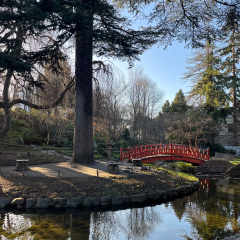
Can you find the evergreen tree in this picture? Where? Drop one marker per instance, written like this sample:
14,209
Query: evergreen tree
166,108
27,46
230,66
96,27
203,73
179,103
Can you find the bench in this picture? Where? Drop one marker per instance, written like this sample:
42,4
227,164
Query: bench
113,167
22,164
137,162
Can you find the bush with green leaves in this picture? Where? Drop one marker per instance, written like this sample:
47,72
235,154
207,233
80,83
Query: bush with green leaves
216,148
231,151
182,166
102,151
60,145
221,149
33,140
186,167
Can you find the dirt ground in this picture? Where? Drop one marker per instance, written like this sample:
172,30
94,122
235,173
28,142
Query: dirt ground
65,179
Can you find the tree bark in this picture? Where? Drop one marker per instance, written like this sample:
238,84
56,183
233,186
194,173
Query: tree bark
235,125
83,132
7,113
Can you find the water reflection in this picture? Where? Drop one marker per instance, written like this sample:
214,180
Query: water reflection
211,213
136,223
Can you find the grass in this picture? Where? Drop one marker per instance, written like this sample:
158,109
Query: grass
175,173
55,148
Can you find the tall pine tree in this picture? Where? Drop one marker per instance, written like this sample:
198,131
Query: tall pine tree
179,103
96,27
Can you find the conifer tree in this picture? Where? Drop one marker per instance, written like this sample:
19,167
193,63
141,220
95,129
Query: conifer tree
27,46
203,73
166,108
230,66
179,103
96,27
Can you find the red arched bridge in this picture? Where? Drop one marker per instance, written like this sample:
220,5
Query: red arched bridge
165,152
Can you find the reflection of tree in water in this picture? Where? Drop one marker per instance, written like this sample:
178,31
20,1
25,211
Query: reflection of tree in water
211,212
44,226
179,206
135,223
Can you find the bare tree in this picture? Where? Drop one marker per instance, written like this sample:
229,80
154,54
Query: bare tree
109,94
194,127
144,99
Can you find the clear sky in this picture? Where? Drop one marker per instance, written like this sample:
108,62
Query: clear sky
165,67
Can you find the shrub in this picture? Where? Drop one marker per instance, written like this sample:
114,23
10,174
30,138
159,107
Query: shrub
101,145
52,142
33,140
102,151
172,165
124,144
60,145
186,167
118,145
64,141
231,151
216,148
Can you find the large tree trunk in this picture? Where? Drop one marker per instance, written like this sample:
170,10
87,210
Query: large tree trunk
83,132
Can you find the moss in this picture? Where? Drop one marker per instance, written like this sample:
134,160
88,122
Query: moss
44,225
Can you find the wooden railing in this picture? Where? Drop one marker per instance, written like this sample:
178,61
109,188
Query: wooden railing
163,149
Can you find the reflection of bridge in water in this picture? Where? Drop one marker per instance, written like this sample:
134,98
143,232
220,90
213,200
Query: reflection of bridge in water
204,184
165,152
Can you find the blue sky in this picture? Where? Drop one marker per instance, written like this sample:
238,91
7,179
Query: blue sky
164,67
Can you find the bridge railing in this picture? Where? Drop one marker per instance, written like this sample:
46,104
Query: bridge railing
168,149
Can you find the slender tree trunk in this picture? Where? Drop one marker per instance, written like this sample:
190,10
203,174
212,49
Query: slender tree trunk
7,82
235,125
7,116
83,132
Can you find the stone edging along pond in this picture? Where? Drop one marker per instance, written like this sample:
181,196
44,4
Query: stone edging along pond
158,197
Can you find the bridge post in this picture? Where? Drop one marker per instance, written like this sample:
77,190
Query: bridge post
171,152
208,154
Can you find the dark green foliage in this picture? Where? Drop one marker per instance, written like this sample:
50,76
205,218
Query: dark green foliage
126,135
231,151
124,144
60,145
166,108
33,140
219,114
102,151
52,142
216,148
179,103
102,145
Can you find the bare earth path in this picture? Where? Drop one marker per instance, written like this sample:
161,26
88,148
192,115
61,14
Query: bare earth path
67,169
77,180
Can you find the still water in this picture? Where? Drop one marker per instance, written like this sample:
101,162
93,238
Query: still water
211,213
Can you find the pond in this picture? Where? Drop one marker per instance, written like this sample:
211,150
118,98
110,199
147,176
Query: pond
211,213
